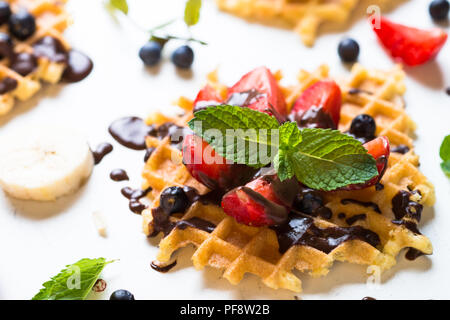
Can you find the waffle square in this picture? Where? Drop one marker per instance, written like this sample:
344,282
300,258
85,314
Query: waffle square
51,20
240,249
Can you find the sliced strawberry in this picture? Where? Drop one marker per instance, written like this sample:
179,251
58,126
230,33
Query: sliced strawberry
207,96
319,106
410,45
380,149
264,201
259,90
210,168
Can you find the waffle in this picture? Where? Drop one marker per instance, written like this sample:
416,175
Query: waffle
241,249
305,16
51,20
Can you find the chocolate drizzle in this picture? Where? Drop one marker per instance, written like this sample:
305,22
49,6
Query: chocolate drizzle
101,151
372,205
412,254
314,117
403,207
245,98
164,269
7,84
301,230
402,149
350,221
78,65
119,175
130,132
134,195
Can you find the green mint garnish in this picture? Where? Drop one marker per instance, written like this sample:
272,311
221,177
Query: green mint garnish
321,159
445,155
73,283
120,5
192,12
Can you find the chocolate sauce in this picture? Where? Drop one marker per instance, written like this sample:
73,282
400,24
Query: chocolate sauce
50,48
134,195
23,63
175,132
163,269
314,117
7,84
300,230
79,66
358,91
403,207
400,149
6,46
245,98
130,132
101,151
350,221
413,254
342,216
408,224
448,91
372,205
197,223
119,175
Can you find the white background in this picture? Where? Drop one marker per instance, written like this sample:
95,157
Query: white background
38,239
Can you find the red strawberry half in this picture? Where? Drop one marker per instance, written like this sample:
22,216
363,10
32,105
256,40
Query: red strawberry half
264,201
319,106
207,96
410,45
380,149
259,91
211,169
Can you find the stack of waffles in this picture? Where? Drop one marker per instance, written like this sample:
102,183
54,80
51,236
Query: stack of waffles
305,16
51,20
241,249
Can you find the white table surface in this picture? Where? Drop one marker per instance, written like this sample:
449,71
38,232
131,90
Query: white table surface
38,239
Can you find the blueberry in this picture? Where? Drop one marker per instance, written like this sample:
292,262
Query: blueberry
22,24
348,50
121,295
439,9
183,57
363,126
150,53
6,46
5,12
174,200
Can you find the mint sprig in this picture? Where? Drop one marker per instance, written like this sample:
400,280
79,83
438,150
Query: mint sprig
321,159
444,153
192,12
74,282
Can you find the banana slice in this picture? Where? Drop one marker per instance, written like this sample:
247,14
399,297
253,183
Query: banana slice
44,163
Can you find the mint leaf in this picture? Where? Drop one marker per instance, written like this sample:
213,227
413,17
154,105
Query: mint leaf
322,159
120,5
192,12
445,155
73,283
239,134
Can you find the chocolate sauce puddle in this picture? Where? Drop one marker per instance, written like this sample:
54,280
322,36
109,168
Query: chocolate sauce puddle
314,117
130,132
300,230
7,84
402,149
372,205
163,269
134,195
101,151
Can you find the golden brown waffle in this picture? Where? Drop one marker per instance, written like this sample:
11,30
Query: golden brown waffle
51,20
304,16
240,249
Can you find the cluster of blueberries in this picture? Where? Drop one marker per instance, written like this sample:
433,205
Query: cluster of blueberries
348,48
150,54
21,23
